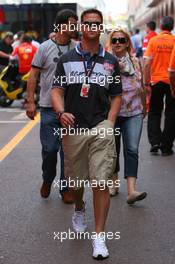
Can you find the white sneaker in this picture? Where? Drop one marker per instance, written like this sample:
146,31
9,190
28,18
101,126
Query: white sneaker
78,221
100,250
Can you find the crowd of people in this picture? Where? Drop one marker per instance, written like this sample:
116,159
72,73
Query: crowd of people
138,74
20,47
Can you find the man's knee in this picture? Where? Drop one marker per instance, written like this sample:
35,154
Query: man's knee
49,156
132,149
51,148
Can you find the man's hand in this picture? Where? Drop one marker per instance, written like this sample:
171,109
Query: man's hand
67,119
144,111
31,110
31,87
173,93
115,108
112,122
147,70
145,92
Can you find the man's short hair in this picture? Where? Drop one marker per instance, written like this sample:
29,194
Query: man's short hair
151,25
167,23
63,16
20,33
90,11
27,38
137,31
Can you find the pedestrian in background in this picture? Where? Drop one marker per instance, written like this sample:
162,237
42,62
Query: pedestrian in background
130,117
5,49
18,38
137,43
150,29
24,53
156,63
44,64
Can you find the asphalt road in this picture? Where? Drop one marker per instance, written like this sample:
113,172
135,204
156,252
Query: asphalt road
28,222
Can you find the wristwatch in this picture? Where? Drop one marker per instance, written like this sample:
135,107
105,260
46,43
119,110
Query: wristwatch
26,101
59,114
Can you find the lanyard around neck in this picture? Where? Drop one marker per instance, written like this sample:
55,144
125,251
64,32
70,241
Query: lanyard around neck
58,47
88,72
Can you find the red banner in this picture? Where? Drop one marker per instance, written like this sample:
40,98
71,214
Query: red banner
2,16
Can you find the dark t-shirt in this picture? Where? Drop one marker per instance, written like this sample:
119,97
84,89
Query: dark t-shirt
91,110
7,49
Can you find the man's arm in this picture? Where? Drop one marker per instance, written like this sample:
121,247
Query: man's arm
115,93
4,55
31,88
14,55
171,72
147,62
172,82
115,108
143,91
57,97
147,71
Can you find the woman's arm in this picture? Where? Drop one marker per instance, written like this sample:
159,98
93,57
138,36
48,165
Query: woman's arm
143,88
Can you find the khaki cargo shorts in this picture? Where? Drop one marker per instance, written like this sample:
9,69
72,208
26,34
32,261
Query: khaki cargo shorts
90,156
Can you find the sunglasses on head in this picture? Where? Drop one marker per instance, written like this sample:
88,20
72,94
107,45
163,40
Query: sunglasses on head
119,40
92,23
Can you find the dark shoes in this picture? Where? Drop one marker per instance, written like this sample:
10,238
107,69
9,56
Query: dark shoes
167,153
154,149
67,197
45,190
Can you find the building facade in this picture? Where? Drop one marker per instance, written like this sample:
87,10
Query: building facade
142,11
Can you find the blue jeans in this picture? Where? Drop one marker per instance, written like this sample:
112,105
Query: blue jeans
130,129
51,145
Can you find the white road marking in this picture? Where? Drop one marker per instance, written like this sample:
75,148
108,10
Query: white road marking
17,119
12,110
20,116
14,122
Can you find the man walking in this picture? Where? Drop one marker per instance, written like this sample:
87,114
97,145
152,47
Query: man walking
137,43
44,63
157,58
151,27
87,104
24,53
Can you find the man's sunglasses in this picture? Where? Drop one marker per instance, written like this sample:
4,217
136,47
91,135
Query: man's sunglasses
92,24
119,40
